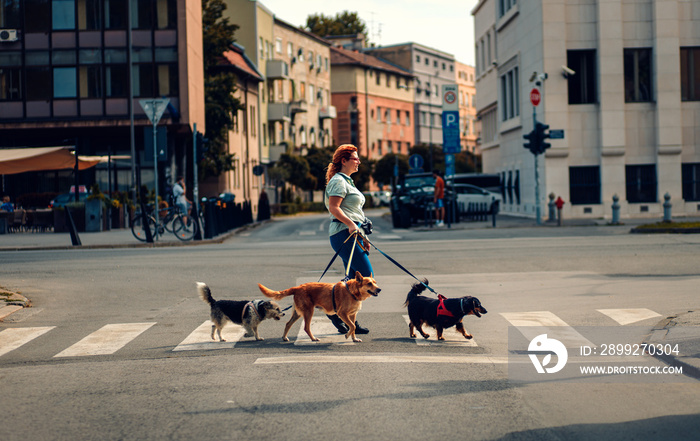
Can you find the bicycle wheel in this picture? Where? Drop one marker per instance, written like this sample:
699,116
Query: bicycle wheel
137,228
184,230
167,220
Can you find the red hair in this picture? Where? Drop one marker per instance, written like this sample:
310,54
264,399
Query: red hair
344,152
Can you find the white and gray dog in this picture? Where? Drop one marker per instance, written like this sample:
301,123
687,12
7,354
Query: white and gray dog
246,313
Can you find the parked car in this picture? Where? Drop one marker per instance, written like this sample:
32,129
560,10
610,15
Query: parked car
64,198
413,195
381,198
471,194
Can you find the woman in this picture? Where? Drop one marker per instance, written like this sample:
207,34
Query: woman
344,202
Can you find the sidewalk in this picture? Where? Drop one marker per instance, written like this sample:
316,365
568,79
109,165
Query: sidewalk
682,330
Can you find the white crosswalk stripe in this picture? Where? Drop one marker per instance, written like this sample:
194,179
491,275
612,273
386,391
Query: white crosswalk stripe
324,330
107,340
627,316
200,338
452,337
13,338
532,324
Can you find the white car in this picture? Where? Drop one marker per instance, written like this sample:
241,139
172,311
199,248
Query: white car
381,198
467,193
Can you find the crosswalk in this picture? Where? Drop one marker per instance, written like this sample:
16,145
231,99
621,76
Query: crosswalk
111,338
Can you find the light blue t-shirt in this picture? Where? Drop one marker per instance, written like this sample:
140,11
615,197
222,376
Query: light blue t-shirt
353,200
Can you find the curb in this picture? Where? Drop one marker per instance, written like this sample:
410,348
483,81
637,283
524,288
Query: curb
689,370
14,302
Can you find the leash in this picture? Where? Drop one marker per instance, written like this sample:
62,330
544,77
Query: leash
336,255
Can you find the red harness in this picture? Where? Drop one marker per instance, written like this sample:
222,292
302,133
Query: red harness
441,310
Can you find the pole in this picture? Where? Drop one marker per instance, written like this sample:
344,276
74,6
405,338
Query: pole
135,179
194,166
155,167
538,214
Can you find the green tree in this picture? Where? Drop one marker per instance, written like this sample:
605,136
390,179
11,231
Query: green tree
344,23
383,172
296,170
219,88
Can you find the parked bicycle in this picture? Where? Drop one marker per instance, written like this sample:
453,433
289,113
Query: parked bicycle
170,219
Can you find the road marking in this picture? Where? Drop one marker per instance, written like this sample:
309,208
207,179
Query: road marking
200,338
465,359
627,316
389,237
307,233
546,322
13,338
107,340
452,337
324,330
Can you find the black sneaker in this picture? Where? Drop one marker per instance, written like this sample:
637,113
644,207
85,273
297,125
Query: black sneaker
339,324
360,330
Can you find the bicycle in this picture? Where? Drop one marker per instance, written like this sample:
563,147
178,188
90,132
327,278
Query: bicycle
170,219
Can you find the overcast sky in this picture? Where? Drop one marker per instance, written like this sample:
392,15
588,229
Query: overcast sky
446,25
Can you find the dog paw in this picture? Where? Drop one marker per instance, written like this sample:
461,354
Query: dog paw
441,338
468,336
426,336
248,335
412,335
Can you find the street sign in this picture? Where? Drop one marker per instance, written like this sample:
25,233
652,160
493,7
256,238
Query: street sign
154,108
450,132
449,97
556,134
535,97
415,161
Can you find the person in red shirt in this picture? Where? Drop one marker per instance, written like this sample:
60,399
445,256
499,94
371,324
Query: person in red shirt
439,199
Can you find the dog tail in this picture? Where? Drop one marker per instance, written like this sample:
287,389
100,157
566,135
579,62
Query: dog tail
275,295
205,293
415,291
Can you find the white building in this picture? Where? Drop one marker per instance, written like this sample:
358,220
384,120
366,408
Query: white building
622,82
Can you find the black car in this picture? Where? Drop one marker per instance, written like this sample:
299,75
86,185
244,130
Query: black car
411,199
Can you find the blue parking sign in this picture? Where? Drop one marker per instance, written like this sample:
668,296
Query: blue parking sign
450,132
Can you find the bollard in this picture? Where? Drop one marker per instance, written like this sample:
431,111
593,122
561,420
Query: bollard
552,208
667,207
559,204
615,210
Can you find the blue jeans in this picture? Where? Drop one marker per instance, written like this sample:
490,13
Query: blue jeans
360,259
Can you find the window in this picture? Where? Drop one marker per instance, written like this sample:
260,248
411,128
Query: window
141,15
387,115
641,183
278,45
41,15
584,185
638,75
398,117
312,94
90,82
10,86
505,6
690,73
408,118
379,114
582,85
427,62
510,94
690,176
89,16
417,58
63,14
379,78
9,15
38,83
166,14
115,14
290,50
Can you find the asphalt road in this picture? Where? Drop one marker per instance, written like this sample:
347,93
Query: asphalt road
116,345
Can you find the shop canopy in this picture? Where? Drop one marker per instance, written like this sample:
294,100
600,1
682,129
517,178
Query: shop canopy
13,161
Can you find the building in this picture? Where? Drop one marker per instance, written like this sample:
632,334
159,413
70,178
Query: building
432,69
469,126
244,181
65,80
617,77
374,102
294,99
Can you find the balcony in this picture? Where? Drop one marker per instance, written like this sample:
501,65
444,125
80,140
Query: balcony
277,69
278,112
328,112
298,107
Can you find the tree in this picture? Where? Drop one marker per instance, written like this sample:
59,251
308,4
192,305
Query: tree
384,168
296,169
344,23
219,87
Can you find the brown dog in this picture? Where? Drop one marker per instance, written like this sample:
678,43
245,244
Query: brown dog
342,298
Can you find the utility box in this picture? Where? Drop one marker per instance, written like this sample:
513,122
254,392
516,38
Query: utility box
93,215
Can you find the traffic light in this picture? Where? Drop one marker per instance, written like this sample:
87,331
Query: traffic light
202,146
541,134
531,142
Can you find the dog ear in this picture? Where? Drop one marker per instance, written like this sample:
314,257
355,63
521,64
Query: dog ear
358,276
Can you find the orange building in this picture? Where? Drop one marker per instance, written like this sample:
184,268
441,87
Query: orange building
467,107
374,103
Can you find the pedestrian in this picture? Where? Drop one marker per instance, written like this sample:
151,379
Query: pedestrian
344,203
439,199
6,205
179,193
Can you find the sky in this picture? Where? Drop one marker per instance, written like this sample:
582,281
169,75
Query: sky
446,25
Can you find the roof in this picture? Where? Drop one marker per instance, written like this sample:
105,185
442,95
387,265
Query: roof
237,58
341,56
302,31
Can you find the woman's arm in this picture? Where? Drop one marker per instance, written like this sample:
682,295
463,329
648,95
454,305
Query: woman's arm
337,212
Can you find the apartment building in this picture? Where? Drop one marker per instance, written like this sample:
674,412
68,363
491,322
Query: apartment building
469,126
374,101
620,78
432,69
65,79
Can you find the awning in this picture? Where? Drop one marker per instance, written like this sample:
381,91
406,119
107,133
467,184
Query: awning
13,161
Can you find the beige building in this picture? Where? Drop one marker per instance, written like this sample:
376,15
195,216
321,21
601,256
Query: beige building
467,107
617,77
